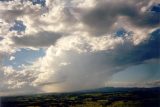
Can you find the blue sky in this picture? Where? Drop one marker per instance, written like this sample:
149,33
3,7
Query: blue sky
24,56
138,73
68,45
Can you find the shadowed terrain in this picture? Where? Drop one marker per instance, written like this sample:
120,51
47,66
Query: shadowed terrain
102,97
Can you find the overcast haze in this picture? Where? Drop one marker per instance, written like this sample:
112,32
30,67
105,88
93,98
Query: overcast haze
69,45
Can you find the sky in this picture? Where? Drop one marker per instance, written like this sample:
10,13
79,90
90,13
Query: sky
70,45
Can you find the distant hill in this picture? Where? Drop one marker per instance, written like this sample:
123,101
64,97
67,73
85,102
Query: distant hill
120,89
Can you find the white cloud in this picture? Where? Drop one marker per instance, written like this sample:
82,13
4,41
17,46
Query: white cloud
12,58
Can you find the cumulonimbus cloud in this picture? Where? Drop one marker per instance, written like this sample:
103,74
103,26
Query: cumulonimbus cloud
92,69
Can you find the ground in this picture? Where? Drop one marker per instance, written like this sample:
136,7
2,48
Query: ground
130,98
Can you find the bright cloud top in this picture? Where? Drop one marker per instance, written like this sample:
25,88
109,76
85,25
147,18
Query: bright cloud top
85,42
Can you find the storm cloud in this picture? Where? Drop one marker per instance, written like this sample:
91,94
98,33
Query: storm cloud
104,16
92,69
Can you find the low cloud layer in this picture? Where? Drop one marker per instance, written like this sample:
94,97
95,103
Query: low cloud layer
83,44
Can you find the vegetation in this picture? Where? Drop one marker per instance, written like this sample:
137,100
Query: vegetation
136,98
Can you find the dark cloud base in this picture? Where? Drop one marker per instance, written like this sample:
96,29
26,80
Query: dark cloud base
101,18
